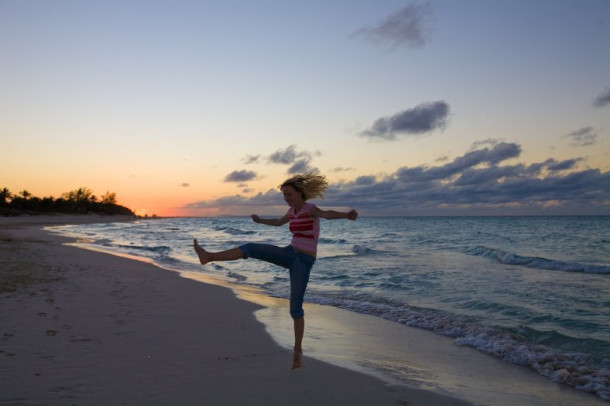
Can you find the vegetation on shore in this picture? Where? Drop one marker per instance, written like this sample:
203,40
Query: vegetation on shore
78,201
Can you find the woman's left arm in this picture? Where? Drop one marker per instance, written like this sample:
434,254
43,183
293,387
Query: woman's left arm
333,215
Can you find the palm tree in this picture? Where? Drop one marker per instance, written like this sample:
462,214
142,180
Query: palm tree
109,198
5,194
25,194
81,194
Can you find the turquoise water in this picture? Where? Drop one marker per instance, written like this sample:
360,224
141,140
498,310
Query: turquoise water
533,291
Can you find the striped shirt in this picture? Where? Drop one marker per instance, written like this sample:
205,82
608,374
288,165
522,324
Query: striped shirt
304,228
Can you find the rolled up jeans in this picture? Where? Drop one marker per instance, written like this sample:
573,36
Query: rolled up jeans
298,263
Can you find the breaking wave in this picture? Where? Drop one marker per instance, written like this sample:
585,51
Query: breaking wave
562,366
509,258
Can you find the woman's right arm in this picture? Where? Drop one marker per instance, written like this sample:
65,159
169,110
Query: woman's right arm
271,222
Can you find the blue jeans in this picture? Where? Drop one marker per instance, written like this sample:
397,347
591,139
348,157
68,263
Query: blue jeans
298,263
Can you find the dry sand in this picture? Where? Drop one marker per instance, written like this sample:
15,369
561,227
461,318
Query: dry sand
87,328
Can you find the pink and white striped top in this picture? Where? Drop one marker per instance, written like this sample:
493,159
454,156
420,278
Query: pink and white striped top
304,228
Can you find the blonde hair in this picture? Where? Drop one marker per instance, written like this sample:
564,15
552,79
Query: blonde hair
309,185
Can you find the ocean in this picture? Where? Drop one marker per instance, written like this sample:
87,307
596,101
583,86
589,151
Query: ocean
532,291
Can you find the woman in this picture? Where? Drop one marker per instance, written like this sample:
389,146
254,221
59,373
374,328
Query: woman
300,255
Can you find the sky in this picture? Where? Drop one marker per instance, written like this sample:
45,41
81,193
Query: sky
202,108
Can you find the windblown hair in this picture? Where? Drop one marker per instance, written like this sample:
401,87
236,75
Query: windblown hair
309,185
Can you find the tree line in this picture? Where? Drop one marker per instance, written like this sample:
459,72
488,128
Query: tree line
77,201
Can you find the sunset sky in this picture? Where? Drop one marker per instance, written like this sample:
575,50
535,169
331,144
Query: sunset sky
409,108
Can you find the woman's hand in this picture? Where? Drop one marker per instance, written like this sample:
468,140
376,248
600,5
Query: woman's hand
352,214
255,218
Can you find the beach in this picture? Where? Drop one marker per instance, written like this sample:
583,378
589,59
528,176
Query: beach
82,327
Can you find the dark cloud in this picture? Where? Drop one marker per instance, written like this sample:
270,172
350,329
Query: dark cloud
185,184
250,159
364,180
287,156
420,119
494,190
563,165
500,152
583,137
489,142
241,176
341,169
465,187
299,161
271,198
551,165
603,99
490,156
486,176
302,166
480,182
405,27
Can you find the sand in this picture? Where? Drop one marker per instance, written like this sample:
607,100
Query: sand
86,328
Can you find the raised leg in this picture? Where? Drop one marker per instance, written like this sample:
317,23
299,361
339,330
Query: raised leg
206,256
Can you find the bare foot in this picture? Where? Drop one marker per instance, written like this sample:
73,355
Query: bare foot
297,359
203,255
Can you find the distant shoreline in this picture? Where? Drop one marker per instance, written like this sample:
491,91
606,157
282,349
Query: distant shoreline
44,219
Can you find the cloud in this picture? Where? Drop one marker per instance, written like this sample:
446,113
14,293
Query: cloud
341,169
486,181
482,143
583,137
489,156
420,119
241,176
185,184
237,204
364,180
405,27
500,152
463,186
250,159
286,156
299,161
302,166
563,165
551,165
603,99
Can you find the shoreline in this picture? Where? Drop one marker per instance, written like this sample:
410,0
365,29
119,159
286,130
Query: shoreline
94,328
407,356
434,364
